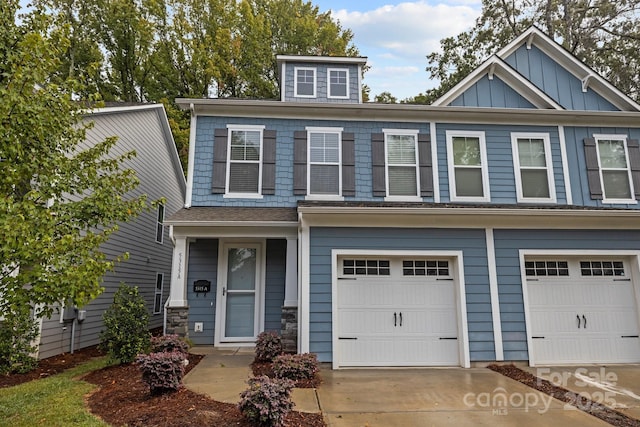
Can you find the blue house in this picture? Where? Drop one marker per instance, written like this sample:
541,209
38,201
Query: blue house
499,223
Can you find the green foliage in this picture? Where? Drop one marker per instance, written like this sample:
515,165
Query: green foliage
267,401
162,371
296,367
126,322
603,34
268,346
17,333
59,201
385,98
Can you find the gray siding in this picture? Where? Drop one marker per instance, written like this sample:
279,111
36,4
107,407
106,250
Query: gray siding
160,176
203,265
555,81
491,93
471,242
322,86
507,245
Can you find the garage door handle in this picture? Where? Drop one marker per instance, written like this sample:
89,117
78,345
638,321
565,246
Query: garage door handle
630,336
448,338
585,321
578,316
395,319
400,318
347,338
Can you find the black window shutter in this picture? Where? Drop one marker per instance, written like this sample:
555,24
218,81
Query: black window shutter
269,162
593,170
300,162
219,180
426,166
348,164
377,165
634,161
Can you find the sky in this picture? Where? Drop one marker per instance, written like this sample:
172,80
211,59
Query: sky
396,37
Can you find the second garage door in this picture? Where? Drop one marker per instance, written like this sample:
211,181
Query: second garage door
582,311
396,312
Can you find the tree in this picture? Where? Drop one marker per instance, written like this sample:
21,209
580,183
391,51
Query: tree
603,34
58,201
385,98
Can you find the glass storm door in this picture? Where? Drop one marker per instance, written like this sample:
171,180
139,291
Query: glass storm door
240,293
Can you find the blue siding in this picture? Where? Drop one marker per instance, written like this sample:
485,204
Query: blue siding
203,165
555,81
507,245
203,265
322,87
574,137
471,242
491,93
500,159
274,283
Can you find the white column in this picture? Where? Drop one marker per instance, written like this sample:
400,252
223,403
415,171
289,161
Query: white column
291,274
178,293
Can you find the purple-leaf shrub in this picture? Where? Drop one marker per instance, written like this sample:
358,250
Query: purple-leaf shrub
296,367
267,401
268,346
168,343
162,371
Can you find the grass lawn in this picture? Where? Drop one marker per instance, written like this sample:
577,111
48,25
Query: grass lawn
54,401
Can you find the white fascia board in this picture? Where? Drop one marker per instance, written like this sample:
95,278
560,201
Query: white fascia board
496,66
243,224
322,59
124,108
572,64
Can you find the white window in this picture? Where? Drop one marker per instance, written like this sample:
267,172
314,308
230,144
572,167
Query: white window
160,224
338,83
467,159
305,82
533,167
244,170
157,300
401,150
324,174
615,173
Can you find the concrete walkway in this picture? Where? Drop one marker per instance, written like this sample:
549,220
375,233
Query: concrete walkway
397,397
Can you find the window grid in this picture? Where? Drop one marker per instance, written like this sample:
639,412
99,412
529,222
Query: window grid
338,84
546,268
467,166
614,167
324,161
532,161
602,268
366,267
305,82
402,164
425,268
245,152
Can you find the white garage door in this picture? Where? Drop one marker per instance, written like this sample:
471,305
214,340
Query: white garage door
582,311
396,312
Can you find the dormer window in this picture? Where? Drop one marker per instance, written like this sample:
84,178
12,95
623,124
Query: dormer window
338,83
305,82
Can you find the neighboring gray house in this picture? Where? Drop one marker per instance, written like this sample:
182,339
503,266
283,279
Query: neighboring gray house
145,130
500,223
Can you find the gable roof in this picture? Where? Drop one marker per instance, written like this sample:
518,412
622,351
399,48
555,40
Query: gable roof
534,36
496,66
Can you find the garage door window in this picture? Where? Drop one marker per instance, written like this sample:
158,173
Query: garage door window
365,267
546,268
425,268
602,268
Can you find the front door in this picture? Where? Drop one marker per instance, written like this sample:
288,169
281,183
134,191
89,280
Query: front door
240,293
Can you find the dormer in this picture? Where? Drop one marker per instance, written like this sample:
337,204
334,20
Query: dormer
325,79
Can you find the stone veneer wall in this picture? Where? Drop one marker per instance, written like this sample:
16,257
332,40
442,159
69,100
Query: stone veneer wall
289,329
178,321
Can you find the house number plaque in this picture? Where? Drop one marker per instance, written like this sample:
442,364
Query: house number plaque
202,286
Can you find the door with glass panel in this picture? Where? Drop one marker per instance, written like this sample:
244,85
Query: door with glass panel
240,293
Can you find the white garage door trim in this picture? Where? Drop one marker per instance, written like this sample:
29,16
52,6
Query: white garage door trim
461,304
634,266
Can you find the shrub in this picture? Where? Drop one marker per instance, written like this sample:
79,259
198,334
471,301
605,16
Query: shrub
126,324
17,333
267,401
296,367
268,346
168,343
162,371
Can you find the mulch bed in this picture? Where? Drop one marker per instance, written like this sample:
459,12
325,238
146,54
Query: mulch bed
596,409
265,368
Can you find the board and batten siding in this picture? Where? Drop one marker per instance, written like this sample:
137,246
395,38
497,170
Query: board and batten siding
160,177
502,184
471,242
507,246
203,265
556,81
491,93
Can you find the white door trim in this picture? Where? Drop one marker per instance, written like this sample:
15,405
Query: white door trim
634,263
461,300
260,290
